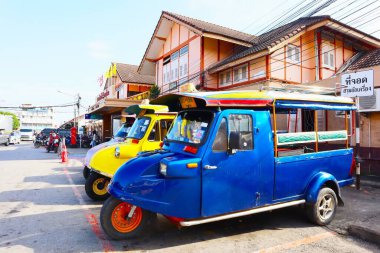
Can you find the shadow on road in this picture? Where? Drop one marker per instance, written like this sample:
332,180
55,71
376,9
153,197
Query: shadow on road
62,231
166,235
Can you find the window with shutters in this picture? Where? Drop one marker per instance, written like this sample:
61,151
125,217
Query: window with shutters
241,73
328,57
293,53
225,78
176,67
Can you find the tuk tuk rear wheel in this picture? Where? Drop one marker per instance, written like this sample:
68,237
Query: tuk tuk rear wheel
86,172
323,211
96,186
121,220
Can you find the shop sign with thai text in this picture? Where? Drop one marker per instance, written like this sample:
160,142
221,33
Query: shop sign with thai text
357,84
103,95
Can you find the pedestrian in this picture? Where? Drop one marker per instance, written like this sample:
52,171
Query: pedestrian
94,136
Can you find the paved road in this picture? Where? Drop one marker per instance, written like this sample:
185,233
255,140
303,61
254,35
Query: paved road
43,208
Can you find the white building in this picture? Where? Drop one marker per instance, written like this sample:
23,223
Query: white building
35,118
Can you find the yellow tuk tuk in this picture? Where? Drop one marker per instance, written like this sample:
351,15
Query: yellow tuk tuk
146,134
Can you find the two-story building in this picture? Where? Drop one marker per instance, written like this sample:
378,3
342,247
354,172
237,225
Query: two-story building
213,57
295,56
123,87
181,49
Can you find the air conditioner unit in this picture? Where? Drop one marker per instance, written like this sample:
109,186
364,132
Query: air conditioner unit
370,103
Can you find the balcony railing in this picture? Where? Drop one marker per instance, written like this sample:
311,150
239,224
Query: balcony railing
140,96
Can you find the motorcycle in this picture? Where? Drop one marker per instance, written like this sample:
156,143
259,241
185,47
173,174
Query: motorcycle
41,141
53,145
86,141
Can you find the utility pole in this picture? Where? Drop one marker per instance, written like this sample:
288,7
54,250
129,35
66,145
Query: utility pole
78,106
77,103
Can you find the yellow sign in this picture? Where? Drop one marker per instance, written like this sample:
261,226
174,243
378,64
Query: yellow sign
187,87
187,102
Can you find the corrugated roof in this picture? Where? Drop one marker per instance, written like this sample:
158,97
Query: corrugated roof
252,98
274,37
212,28
128,73
369,59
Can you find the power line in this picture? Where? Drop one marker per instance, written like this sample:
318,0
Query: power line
35,107
290,64
276,25
201,73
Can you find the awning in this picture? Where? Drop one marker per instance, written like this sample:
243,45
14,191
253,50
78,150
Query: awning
314,105
111,106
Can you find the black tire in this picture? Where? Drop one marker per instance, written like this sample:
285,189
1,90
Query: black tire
55,149
96,186
7,143
107,219
86,172
323,211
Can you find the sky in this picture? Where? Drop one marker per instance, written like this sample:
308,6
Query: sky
50,46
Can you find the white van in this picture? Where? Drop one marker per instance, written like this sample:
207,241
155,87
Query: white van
27,134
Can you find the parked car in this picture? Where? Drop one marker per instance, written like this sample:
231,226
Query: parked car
27,134
223,158
46,131
4,137
63,132
15,138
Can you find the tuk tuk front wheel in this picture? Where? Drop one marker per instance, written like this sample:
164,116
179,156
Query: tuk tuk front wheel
86,172
96,186
322,212
121,220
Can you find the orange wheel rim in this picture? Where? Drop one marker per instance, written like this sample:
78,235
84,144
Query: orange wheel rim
120,220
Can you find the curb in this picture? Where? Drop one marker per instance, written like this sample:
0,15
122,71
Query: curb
370,183
364,234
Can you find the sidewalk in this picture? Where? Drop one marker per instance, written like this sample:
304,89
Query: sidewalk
360,216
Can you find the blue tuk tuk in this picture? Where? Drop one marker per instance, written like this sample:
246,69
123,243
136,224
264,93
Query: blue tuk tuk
236,153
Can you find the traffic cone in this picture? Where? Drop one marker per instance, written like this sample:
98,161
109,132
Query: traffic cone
64,153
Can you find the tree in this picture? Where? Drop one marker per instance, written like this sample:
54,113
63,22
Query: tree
16,121
154,92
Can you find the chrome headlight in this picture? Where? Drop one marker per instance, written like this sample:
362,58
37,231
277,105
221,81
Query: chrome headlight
117,152
163,168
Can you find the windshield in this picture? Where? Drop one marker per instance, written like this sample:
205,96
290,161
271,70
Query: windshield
26,130
48,130
63,132
123,131
190,126
139,128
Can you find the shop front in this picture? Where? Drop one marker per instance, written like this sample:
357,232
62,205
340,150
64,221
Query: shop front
109,113
367,130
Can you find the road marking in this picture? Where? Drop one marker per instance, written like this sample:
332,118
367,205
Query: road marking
297,243
91,218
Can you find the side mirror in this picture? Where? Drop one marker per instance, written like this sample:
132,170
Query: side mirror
233,143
